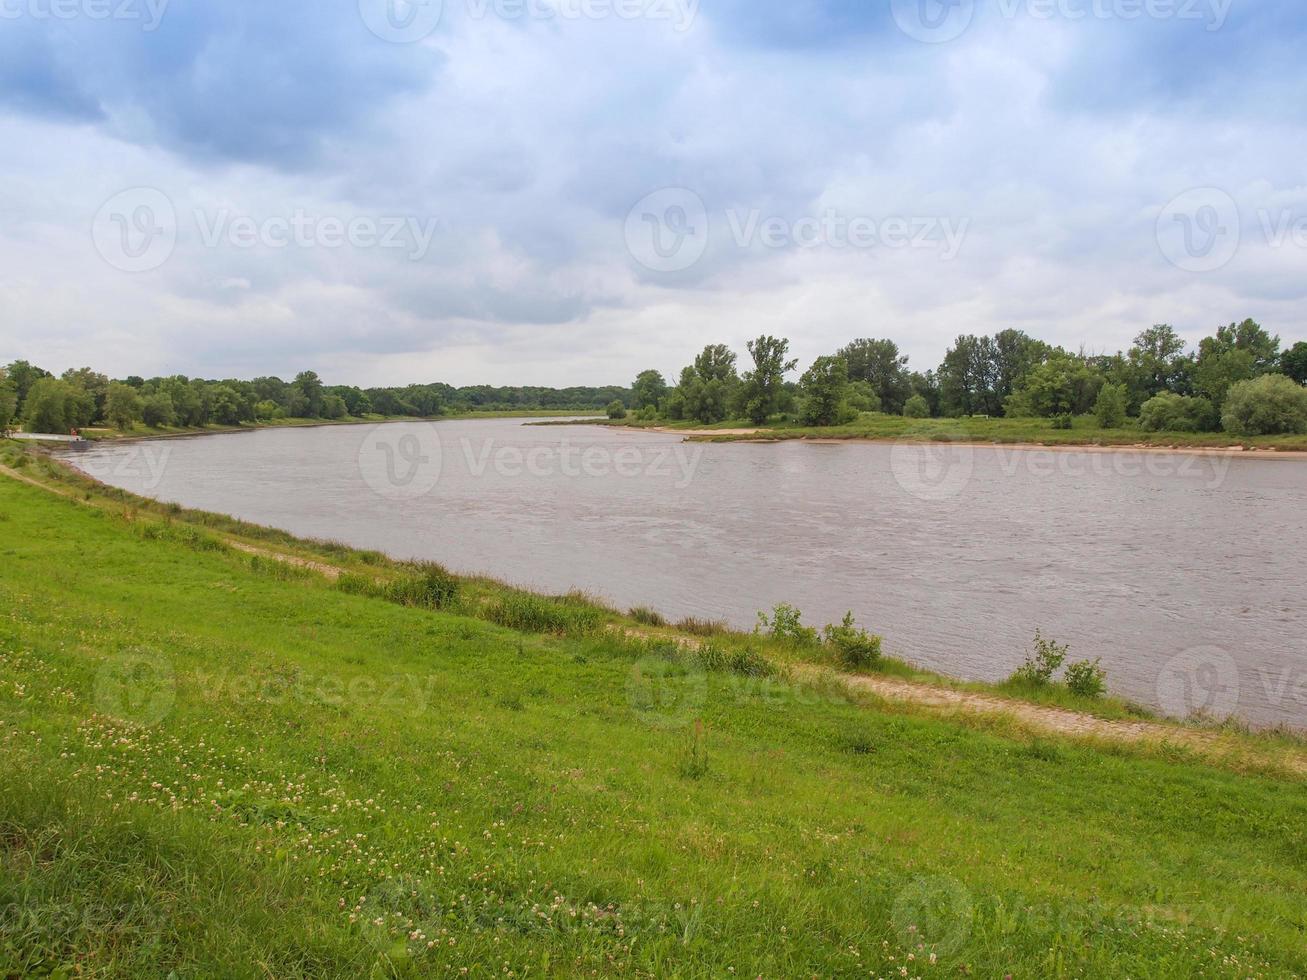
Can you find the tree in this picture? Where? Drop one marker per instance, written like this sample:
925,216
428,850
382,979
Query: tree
1219,368
879,364
268,410
122,406
46,406
309,388
1156,363
716,362
966,385
707,387
8,398
1269,405
616,410
760,388
916,407
863,398
95,387
1015,355
24,375
927,386
825,387
1064,384
333,407
1110,407
157,409
224,405
649,389
1248,336
1293,362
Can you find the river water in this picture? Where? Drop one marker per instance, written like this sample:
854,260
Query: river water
1184,573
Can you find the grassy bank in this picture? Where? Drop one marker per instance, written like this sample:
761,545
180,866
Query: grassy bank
219,763
1085,431
141,431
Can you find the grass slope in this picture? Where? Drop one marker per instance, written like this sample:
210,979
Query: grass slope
214,766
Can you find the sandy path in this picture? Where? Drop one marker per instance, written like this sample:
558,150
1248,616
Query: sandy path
330,571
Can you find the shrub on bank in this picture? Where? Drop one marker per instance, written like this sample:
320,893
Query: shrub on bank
1169,412
1110,408
1086,678
1083,678
916,407
616,410
1040,666
1270,405
854,648
786,625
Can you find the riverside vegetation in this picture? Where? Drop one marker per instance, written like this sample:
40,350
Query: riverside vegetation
1237,387
229,751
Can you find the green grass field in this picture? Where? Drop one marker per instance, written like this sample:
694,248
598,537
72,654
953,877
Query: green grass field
217,765
1086,431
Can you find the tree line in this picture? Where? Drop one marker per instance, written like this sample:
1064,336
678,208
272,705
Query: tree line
80,398
1238,379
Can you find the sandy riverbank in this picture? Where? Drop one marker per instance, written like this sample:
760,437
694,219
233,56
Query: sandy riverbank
764,435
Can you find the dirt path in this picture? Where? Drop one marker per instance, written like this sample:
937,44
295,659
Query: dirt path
1055,721
330,571
24,478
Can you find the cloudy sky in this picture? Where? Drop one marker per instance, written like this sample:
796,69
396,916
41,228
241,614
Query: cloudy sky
568,191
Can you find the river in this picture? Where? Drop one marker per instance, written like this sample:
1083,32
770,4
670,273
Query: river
1183,573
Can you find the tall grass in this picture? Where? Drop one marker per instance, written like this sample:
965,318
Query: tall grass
702,627
646,616
541,614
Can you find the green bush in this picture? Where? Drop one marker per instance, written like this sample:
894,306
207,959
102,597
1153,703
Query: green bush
916,407
1169,412
854,648
616,410
1269,405
1064,420
1086,678
1110,408
1043,663
785,625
